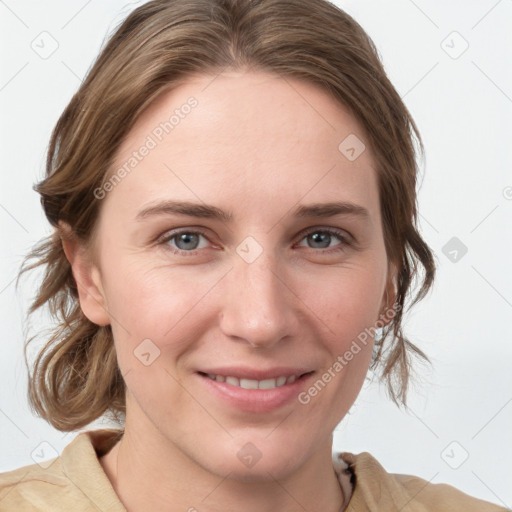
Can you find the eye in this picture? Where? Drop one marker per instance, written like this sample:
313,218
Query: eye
322,238
184,241
187,242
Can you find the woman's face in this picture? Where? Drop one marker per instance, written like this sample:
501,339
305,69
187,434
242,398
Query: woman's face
263,277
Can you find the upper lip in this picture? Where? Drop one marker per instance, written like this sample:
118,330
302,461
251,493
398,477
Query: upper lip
256,374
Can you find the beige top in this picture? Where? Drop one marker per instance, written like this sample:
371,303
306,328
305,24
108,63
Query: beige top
76,482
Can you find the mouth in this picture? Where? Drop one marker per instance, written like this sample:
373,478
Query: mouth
254,391
245,383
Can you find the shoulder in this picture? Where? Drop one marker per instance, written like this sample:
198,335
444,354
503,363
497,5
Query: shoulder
32,487
73,481
374,486
433,495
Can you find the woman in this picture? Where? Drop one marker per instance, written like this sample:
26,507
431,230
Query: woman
233,197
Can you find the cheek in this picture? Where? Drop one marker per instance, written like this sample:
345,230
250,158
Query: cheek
347,299
148,299
153,322
160,303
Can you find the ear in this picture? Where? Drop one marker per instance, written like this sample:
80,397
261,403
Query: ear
387,312
87,277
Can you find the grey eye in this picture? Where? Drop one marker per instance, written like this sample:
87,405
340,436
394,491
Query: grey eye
187,241
320,239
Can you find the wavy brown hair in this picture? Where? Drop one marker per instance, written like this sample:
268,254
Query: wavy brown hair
75,378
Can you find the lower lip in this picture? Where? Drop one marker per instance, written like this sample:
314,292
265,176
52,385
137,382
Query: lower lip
255,400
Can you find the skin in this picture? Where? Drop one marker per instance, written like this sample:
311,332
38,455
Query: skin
256,146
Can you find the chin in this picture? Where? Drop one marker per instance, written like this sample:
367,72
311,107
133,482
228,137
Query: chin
256,459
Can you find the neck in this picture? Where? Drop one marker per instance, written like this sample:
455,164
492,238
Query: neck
158,476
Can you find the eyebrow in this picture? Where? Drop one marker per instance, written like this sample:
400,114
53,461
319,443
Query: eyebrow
206,211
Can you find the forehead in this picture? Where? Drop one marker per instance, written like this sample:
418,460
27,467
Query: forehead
255,133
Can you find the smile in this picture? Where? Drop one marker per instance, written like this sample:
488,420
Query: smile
254,384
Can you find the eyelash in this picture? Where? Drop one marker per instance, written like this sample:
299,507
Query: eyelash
167,237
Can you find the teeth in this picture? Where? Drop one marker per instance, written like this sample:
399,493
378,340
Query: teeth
248,384
233,381
265,384
254,384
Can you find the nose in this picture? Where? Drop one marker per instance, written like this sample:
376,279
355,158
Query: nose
259,305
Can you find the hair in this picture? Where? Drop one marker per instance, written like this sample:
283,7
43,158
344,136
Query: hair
75,377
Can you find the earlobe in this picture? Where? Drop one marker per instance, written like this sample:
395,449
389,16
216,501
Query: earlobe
87,277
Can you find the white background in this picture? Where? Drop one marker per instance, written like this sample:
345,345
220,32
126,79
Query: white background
463,107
